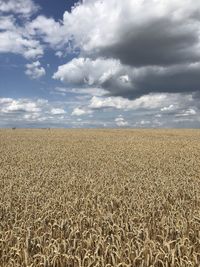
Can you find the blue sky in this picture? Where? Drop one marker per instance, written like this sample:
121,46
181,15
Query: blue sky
98,63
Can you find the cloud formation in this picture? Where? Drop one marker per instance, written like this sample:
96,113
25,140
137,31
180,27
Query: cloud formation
22,7
135,48
137,60
23,112
86,71
139,33
34,70
14,37
120,122
58,111
78,111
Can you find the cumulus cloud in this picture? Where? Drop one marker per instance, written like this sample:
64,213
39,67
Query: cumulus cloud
129,82
58,111
7,22
23,7
120,122
14,38
186,113
135,48
25,112
13,41
151,101
34,70
50,31
133,56
59,54
80,111
80,91
144,123
137,32
86,71
168,108
19,106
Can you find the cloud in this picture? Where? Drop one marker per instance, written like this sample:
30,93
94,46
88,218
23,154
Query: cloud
59,54
86,71
88,92
170,105
7,22
168,108
5,100
136,47
58,111
120,122
14,38
22,7
186,113
34,70
24,112
139,58
144,123
50,31
151,101
19,106
152,110
78,111
13,41
129,82
137,32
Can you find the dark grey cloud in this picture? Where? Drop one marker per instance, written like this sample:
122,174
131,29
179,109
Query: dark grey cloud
159,42
130,82
135,48
176,79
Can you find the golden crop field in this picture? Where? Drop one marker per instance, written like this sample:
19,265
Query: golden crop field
80,198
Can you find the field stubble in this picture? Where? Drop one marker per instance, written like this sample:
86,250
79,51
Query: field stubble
80,198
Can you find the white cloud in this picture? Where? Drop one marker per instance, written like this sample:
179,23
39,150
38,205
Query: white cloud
128,82
15,42
13,106
49,30
34,70
135,48
5,100
147,123
120,122
24,7
158,116
140,56
59,54
188,112
80,111
7,22
124,78
32,117
24,112
87,71
143,122
14,37
151,101
169,108
58,111
81,91
114,19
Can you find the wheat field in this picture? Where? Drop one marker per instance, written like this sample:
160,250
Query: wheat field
80,198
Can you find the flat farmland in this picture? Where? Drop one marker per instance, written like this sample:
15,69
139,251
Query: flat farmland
80,198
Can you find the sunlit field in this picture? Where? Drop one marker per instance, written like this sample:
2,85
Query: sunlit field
72,198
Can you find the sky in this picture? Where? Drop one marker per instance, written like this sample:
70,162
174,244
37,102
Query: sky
100,63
